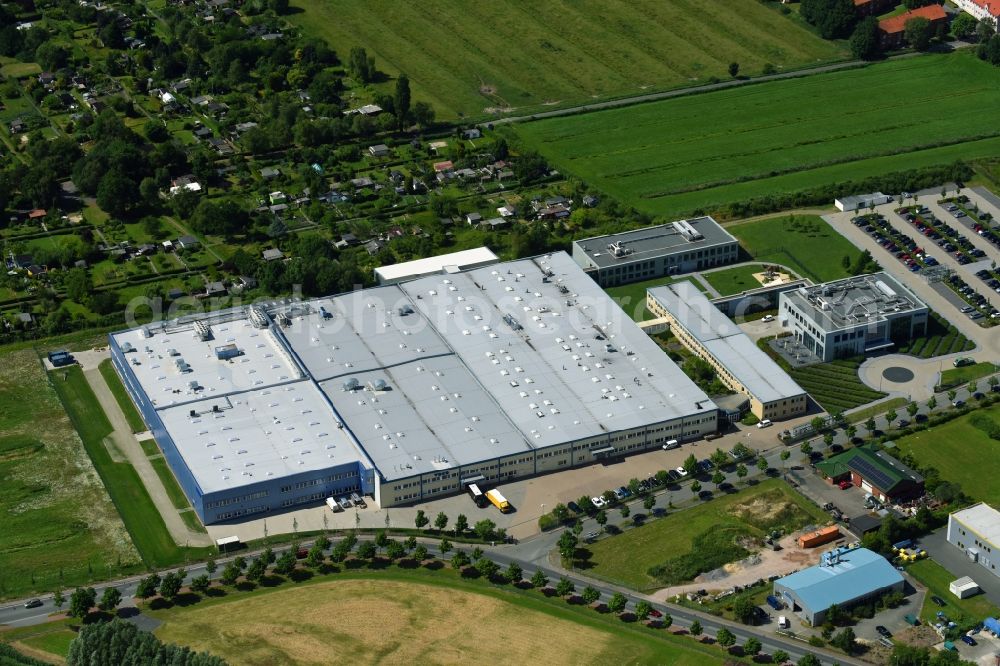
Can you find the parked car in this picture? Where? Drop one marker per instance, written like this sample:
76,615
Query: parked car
844,485
883,631
937,600
574,507
968,640
764,423
33,603
599,502
592,536
655,613
767,319
681,472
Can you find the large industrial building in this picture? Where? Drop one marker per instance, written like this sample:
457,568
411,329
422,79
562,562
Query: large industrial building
845,577
406,392
667,249
852,317
976,530
453,262
741,365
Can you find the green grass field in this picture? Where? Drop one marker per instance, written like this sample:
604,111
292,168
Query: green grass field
135,421
58,528
835,385
627,558
632,297
937,578
805,243
127,491
962,376
734,280
949,448
465,58
705,151
422,617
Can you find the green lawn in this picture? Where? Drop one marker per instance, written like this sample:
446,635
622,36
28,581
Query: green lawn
19,70
149,447
964,375
632,297
177,496
941,339
58,527
734,280
51,637
950,447
804,243
937,579
703,152
135,421
835,385
143,521
627,558
861,415
466,57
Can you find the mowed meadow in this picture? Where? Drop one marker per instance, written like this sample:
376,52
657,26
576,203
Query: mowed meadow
471,58
704,151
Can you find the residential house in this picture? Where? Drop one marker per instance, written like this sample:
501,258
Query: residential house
25,318
215,289
186,183
982,10
37,215
473,133
495,223
374,246
269,173
892,30
473,218
362,182
590,201
46,78
379,150
187,242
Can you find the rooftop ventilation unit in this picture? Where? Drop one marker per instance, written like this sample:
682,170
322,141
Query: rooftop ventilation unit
512,322
687,231
378,385
258,317
352,384
618,250
202,330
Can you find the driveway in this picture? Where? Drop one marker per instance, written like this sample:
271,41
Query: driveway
954,560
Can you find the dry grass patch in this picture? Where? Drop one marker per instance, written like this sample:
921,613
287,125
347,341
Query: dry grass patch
381,622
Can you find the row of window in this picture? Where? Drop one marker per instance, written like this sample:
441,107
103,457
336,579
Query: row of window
315,482
241,512
236,500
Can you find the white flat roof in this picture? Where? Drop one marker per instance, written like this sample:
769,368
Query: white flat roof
419,267
258,435
983,519
724,340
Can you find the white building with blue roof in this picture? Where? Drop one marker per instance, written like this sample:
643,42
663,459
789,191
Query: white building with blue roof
845,577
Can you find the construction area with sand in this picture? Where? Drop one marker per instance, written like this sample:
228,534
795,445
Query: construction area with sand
393,621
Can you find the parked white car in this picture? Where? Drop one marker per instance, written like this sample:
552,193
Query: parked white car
598,502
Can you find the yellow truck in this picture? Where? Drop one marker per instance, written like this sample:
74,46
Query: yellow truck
498,500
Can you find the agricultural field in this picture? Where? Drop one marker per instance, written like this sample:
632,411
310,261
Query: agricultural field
700,538
948,447
58,527
835,385
414,617
806,244
703,152
474,59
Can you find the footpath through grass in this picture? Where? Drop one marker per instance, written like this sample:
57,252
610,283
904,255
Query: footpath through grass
704,152
467,57
143,521
962,453
128,408
58,527
700,538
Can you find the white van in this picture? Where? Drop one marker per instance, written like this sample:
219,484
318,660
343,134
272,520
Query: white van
334,506
672,444
766,423
782,622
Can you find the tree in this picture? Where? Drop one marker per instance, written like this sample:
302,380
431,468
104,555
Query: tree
870,426
120,642
487,567
725,638
833,18
718,458
567,545
419,553
58,599
912,409
423,114
514,573
696,487
744,609
485,529
642,610
625,510
865,43
401,100
394,550
117,194
648,502
845,640
779,656
367,550
752,646
170,586
734,69
440,521
81,601
539,579
785,455
973,387
590,595
617,603
147,586
565,587
891,415
110,599
761,464
421,520
459,560
931,403
560,512
806,448
695,628
666,620
718,478
964,26
851,431
461,524
210,567
361,65
951,395
918,32
284,565
601,518
690,464
200,584
445,546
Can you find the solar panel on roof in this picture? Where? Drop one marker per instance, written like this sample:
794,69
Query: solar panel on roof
871,473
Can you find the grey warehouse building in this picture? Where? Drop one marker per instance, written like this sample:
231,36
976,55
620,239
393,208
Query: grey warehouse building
666,249
853,316
976,530
405,392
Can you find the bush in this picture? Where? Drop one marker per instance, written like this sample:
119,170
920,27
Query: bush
709,550
547,522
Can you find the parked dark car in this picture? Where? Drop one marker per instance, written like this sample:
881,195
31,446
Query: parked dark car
883,631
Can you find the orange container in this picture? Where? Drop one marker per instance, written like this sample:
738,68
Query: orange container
819,537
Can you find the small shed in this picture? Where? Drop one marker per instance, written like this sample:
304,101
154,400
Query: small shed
964,587
379,150
272,254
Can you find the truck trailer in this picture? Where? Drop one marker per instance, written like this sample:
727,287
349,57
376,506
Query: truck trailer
498,500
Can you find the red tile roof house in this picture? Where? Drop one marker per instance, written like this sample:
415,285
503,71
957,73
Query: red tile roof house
981,9
891,29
